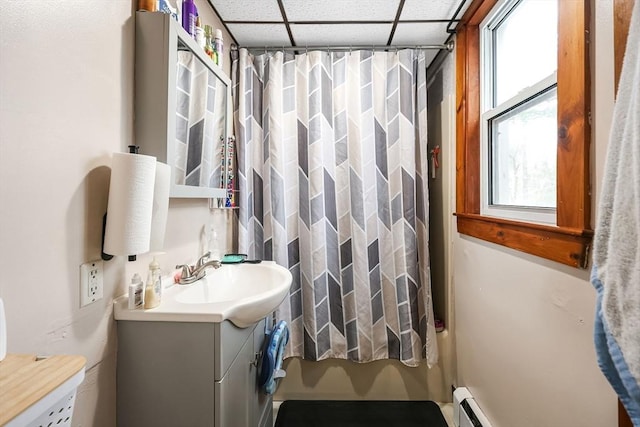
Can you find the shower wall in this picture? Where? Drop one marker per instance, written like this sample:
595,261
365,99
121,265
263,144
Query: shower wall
381,380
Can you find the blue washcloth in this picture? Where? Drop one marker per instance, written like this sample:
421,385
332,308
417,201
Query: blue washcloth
612,362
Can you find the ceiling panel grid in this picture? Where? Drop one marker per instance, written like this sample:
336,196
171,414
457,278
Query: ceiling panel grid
286,23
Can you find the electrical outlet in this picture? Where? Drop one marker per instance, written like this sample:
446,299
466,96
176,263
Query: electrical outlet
90,282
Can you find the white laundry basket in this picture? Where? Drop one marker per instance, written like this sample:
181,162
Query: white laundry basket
53,410
59,414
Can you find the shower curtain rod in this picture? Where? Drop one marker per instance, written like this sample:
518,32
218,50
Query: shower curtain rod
447,46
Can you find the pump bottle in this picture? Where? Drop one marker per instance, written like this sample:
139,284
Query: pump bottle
153,289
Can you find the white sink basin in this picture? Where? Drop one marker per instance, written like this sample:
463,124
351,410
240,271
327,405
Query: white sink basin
241,293
238,281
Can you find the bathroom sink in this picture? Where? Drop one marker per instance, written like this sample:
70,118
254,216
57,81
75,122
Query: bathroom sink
240,293
248,292
233,282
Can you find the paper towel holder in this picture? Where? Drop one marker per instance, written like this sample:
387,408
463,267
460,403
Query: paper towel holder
133,149
105,256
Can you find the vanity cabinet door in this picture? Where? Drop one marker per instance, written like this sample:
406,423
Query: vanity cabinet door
234,406
263,402
165,375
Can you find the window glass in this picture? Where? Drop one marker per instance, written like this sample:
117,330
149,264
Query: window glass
523,154
525,47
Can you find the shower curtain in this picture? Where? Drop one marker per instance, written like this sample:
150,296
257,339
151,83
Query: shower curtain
332,176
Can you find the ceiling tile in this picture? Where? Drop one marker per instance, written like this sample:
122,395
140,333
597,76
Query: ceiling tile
420,34
247,10
340,34
429,9
341,10
260,34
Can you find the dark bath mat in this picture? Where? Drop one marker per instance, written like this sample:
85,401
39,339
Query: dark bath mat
359,413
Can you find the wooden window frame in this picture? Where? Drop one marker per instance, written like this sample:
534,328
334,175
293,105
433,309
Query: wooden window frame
567,242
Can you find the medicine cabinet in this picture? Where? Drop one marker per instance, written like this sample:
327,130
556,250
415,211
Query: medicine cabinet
182,106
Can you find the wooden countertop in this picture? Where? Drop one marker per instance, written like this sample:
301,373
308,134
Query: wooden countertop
25,380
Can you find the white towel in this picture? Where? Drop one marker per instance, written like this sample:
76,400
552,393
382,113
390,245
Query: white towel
617,236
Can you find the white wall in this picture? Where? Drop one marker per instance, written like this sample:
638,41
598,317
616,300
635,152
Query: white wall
524,326
66,104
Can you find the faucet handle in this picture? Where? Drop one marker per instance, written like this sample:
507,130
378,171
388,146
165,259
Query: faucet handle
186,271
204,258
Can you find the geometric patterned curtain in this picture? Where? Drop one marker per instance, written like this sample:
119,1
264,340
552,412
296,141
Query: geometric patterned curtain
332,174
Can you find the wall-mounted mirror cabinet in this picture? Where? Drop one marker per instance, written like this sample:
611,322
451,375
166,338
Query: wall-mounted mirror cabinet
182,106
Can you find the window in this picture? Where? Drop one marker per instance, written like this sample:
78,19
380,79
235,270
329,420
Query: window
518,110
523,126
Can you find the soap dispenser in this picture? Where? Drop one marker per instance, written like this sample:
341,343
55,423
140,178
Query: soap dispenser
153,289
214,246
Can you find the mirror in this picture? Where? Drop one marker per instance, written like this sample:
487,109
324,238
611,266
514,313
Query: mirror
200,119
182,106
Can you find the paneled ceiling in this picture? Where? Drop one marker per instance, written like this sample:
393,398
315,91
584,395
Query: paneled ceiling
284,23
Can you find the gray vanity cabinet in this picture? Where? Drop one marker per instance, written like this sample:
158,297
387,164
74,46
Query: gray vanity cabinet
190,375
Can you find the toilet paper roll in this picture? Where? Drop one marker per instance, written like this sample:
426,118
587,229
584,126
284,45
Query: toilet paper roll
160,206
128,228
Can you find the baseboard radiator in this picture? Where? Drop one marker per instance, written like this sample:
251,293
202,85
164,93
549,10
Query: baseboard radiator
466,412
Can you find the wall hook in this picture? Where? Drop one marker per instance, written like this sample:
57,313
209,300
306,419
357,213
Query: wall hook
435,164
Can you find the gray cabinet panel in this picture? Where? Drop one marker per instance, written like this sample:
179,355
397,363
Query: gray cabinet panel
233,339
165,374
234,408
168,375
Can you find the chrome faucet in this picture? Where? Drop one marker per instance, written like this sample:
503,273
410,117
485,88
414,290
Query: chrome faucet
199,272
191,274
204,258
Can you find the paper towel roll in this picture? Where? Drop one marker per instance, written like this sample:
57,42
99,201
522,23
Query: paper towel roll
160,206
130,205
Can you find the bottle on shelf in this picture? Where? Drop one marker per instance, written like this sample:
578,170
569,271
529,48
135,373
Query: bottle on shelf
218,46
165,6
189,16
147,5
199,33
208,42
